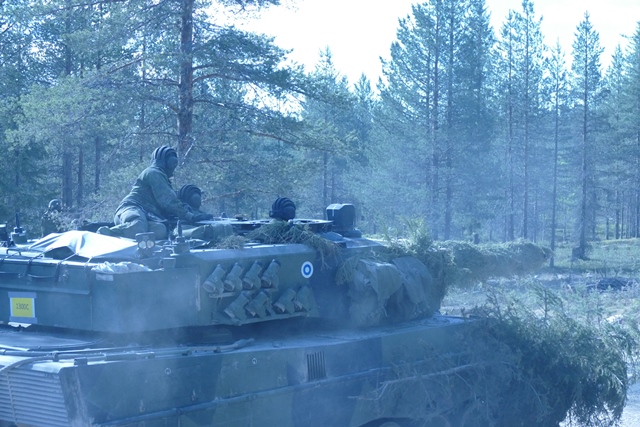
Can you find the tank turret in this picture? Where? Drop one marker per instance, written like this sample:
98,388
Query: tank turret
91,282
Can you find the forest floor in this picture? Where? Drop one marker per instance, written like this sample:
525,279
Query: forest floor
631,414
614,263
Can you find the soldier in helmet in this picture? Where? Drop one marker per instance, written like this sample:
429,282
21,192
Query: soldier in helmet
191,196
283,209
151,201
51,218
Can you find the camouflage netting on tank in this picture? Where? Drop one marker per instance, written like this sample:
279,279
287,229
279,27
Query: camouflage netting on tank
439,262
232,242
369,290
452,263
399,290
277,232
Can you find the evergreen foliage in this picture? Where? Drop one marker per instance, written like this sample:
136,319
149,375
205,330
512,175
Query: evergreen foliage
464,264
475,132
558,365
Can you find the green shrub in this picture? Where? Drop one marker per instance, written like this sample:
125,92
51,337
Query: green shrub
557,365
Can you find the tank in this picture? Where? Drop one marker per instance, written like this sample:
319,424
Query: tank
234,328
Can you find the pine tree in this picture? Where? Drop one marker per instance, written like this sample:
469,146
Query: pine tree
586,85
329,111
531,72
477,167
521,61
507,47
617,152
410,112
631,121
557,88
20,185
127,87
437,91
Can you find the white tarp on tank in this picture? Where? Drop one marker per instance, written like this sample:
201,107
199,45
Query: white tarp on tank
84,244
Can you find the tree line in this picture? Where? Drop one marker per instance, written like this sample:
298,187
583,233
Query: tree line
472,130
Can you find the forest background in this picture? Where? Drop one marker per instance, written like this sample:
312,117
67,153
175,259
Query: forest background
473,130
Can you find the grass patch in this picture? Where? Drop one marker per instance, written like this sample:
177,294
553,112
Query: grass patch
607,258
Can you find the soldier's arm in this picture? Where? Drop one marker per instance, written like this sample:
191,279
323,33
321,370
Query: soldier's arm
166,197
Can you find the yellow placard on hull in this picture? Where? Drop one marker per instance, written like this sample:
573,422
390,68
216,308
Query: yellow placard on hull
23,307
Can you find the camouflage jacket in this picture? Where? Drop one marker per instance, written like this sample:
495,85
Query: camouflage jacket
51,223
153,193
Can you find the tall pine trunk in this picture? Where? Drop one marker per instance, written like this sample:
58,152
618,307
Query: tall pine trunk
67,155
185,84
554,195
448,207
435,153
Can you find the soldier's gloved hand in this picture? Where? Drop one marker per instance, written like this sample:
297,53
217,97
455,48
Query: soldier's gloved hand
202,217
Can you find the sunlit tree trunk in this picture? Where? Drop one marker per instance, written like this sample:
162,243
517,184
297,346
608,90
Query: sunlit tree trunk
558,76
185,84
67,155
435,147
448,204
510,144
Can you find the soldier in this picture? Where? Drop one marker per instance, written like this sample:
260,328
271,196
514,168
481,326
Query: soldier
151,201
51,218
283,209
191,197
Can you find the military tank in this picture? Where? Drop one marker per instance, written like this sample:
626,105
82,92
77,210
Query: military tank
105,331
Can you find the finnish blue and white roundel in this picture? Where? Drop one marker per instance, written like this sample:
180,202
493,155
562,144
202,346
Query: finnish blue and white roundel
306,269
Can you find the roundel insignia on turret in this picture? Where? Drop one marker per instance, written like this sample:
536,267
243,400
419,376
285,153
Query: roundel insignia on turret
306,269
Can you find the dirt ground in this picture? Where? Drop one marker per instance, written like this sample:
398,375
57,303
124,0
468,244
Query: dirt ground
631,414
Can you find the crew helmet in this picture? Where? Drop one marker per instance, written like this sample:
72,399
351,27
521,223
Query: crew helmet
185,192
161,153
55,205
283,208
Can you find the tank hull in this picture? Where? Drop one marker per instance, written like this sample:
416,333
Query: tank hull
333,377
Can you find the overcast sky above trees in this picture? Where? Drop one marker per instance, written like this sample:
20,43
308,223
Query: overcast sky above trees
358,32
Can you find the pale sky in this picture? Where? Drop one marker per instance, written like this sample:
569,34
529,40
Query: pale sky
358,32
